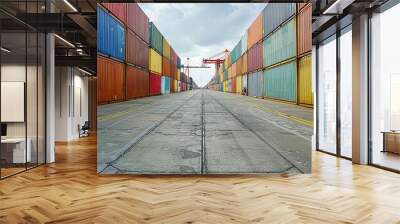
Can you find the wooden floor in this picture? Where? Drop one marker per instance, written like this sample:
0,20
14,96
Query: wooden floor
70,191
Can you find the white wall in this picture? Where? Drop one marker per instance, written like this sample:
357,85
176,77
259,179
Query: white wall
71,87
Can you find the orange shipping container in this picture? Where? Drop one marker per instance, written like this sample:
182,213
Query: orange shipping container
300,6
110,80
304,30
255,31
239,66
166,67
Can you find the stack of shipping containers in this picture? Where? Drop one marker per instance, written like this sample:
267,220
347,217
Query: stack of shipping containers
134,59
273,58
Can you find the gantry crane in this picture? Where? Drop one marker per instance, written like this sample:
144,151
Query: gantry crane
187,67
217,59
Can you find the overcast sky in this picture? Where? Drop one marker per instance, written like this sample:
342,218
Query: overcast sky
202,30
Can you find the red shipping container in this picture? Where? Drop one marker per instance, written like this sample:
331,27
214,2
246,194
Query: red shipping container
155,84
304,30
137,21
118,10
137,82
136,50
234,85
173,70
255,58
166,67
110,80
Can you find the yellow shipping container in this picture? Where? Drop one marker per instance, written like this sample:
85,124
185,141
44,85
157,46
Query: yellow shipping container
155,62
305,81
226,86
229,72
166,49
239,83
225,64
244,63
176,85
178,77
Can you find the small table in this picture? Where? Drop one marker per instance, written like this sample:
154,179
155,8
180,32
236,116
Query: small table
391,141
13,150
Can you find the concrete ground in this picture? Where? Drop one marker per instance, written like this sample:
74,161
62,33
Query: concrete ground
203,131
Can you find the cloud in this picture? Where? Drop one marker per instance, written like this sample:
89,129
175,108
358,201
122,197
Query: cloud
199,31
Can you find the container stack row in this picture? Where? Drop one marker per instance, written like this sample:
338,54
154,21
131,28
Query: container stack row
134,59
273,58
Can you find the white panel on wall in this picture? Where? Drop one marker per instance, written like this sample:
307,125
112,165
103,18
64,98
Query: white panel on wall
12,101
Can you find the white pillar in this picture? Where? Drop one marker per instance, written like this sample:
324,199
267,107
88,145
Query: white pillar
360,90
50,99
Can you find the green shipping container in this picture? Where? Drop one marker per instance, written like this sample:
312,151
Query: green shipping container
281,82
156,38
281,45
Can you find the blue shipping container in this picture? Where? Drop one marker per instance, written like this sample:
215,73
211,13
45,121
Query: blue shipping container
165,85
110,36
275,14
281,82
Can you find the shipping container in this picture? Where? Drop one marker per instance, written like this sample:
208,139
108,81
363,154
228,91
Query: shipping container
154,84
174,58
305,81
110,80
155,62
236,52
244,64
301,5
118,10
233,70
255,58
304,44
178,62
230,72
281,45
255,84
172,85
275,14
136,50
137,21
239,66
229,60
244,83
255,31
239,84
156,38
165,85
166,49
243,43
110,36
233,87
166,67
281,82
137,82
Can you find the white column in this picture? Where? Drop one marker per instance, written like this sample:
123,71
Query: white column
360,90
50,98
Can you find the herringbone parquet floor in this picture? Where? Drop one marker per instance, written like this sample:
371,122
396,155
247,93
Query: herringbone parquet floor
70,191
